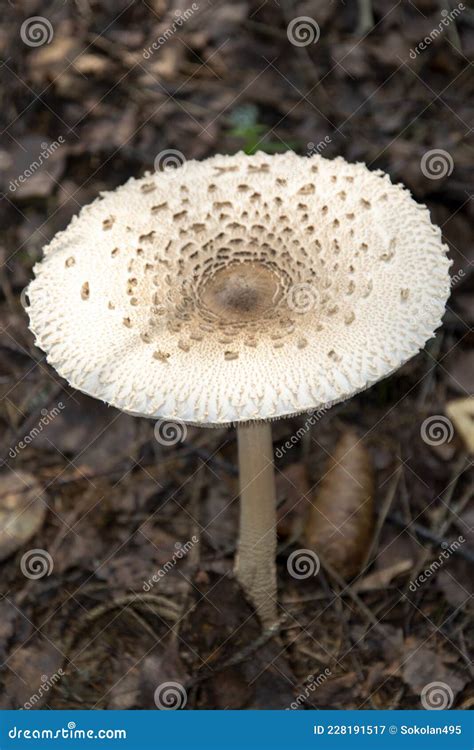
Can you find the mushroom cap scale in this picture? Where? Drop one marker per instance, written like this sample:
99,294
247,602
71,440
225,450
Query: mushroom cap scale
240,288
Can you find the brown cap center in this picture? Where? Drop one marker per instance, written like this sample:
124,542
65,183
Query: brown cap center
244,291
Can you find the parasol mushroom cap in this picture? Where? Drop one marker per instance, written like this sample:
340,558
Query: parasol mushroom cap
240,288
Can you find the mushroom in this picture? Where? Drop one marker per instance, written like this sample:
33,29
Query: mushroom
238,290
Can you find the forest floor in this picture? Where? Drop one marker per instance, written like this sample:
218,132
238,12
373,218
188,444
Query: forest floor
111,505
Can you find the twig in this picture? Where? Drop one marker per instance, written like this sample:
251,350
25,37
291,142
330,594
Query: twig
439,537
141,621
431,536
366,17
346,588
387,504
162,606
247,651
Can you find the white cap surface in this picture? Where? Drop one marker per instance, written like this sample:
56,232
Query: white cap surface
240,288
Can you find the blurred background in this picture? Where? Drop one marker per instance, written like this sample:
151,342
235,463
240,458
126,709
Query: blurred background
95,505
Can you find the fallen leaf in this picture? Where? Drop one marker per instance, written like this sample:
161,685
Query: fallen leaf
230,690
33,670
340,520
382,578
89,64
456,583
125,692
129,571
51,61
23,509
330,691
394,548
107,132
81,550
422,666
162,679
461,412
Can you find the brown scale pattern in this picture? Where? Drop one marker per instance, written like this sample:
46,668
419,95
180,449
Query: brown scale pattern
287,282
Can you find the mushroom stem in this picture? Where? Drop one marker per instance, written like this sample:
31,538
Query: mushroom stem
255,566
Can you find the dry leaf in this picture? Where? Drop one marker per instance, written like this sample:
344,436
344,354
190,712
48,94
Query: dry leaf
456,583
89,64
461,412
159,670
422,666
125,693
340,520
32,667
380,579
22,511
